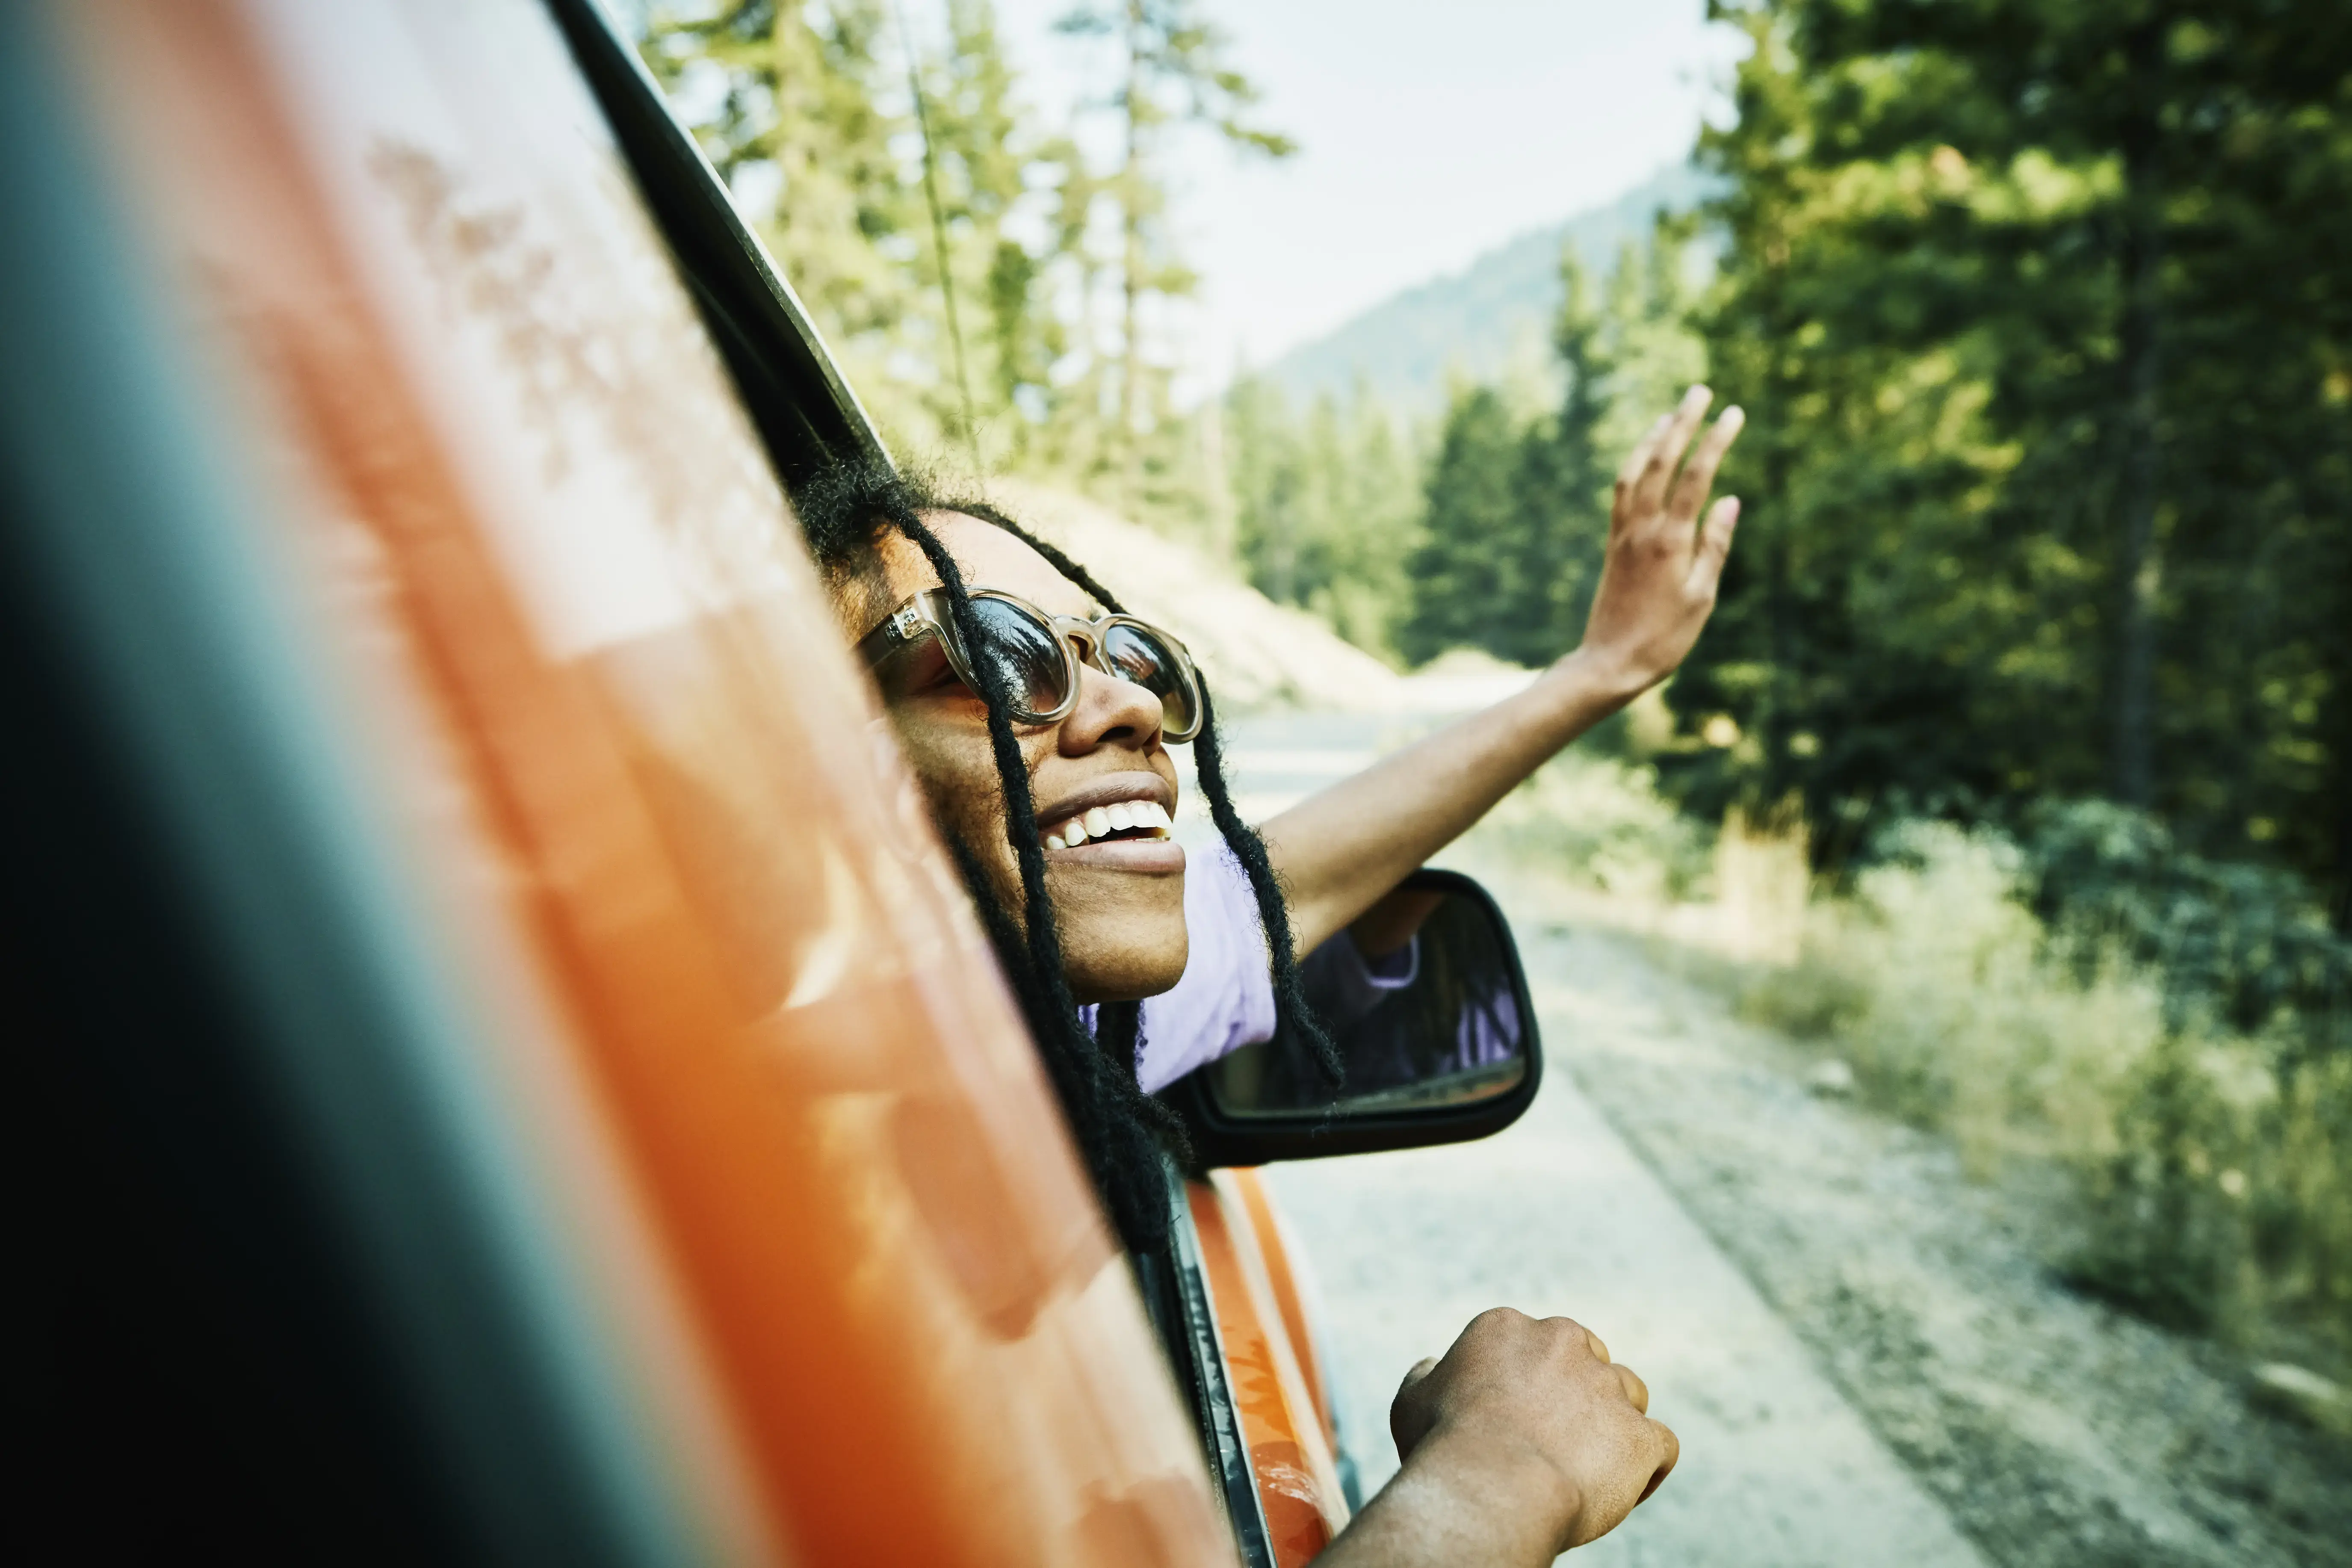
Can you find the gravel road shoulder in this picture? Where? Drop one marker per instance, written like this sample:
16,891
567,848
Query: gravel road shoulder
1558,1216
2053,1429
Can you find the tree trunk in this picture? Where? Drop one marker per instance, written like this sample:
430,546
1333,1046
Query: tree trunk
1131,261
1224,543
2138,570
1781,694
2340,771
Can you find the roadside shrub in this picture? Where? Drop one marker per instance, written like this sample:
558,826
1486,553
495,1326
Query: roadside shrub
1598,822
1933,979
2160,1029
2248,944
2242,953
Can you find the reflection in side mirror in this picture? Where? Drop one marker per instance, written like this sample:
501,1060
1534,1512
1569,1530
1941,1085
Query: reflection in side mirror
1430,1017
1428,1006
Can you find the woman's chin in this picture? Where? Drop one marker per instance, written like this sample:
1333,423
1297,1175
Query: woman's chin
1123,935
1129,975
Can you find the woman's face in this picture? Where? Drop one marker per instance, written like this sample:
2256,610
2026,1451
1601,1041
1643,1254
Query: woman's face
1118,903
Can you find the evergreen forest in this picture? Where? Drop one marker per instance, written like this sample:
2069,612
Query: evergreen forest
2041,311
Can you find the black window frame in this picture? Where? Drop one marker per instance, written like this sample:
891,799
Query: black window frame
807,416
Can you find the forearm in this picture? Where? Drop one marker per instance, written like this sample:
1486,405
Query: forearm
1342,849
1457,1501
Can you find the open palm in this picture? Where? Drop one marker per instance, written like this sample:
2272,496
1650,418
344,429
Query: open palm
1658,581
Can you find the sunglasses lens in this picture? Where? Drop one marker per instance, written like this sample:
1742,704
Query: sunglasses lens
1024,655
1140,657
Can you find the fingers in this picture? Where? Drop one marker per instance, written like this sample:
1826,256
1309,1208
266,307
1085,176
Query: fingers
1714,546
1646,1452
1636,1389
1410,1419
1698,474
1665,451
1638,460
1673,1446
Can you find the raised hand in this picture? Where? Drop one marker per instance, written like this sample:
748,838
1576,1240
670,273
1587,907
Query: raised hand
1340,851
1659,577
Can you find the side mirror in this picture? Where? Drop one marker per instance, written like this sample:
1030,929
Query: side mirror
1426,1000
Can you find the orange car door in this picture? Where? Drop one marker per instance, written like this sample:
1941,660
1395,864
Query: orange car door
732,1029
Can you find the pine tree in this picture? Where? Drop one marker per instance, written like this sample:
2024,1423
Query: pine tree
1172,73
794,121
2039,315
994,161
1326,508
1463,568
1508,559
1555,542
809,112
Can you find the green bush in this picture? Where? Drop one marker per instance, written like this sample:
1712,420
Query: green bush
2248,944
1598,822
2170,1033
2160,1029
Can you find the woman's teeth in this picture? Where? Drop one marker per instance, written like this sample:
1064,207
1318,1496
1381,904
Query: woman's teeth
1142,817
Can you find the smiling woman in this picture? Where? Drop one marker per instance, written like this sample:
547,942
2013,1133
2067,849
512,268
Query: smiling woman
1025,749
1117,898
478,986
1037,716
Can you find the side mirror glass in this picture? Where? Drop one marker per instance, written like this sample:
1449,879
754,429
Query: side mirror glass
1426,998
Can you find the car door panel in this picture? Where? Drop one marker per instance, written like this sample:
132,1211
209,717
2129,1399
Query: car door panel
1281,1426
1277,1248
769,1072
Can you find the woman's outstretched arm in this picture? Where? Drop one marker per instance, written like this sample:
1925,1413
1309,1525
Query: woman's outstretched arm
1342,849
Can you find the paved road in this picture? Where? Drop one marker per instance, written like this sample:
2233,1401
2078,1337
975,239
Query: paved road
1559,1215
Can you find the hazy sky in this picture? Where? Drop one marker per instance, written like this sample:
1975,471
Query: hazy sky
1430,133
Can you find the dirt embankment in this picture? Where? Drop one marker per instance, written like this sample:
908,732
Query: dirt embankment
1257,653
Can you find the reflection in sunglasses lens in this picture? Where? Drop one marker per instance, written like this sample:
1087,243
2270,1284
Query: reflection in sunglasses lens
1144,658
1022,654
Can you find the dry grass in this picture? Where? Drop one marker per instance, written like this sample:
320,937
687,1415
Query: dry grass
2210,1170
2213,1187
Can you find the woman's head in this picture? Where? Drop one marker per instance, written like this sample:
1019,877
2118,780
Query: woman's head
1117,894
1106,927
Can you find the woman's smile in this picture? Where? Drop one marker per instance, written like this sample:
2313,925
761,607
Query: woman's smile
1121,821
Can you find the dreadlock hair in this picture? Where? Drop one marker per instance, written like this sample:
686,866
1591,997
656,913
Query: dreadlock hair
1121,1131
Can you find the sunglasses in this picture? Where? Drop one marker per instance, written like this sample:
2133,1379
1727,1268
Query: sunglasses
1036,656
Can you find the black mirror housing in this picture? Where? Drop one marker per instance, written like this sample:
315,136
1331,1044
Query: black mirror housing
1441,1048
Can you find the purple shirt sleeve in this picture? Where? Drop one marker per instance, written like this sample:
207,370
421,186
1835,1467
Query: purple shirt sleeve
1346,986
1226,999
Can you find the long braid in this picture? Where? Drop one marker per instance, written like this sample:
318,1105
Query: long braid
1120,1147
1121,1141
1020,806
1292,1013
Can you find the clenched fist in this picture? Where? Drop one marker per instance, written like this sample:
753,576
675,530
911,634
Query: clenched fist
1522,1441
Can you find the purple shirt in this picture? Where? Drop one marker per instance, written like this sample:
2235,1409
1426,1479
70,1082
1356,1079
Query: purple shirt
1226,999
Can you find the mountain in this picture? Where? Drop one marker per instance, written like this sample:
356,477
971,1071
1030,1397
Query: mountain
1475,322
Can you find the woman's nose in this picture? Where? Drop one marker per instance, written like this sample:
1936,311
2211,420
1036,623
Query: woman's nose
1111,712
